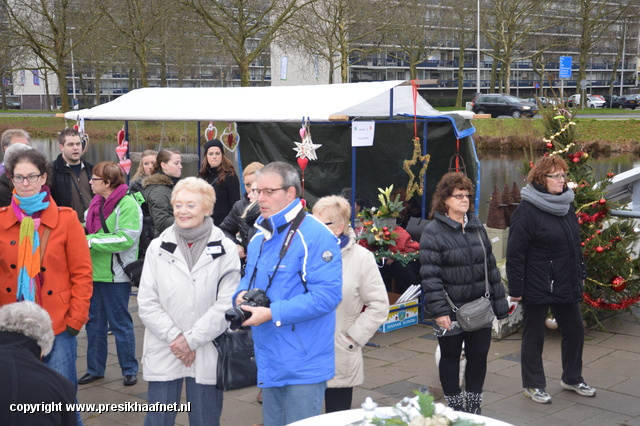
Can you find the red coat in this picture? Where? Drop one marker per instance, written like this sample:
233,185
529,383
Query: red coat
67,271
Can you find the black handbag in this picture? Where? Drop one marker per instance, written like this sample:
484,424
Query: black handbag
237,367
133,270
478,313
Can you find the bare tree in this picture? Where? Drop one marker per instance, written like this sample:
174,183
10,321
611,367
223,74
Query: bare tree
592,19
511,24
246,28
43,27
138,27
416,32
459,14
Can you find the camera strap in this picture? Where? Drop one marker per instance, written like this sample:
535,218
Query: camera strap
295,224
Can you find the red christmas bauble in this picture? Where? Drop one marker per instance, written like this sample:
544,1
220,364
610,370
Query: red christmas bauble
575,159
549,145
580,222
618,283
599,249
602,201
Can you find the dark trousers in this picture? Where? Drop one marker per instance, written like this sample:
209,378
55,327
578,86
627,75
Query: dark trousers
570,324
476,348
337,399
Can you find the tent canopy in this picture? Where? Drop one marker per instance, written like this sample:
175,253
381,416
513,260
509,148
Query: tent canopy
261,104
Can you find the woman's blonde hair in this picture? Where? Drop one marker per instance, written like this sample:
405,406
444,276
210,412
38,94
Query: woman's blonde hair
140,171
336,209
198,185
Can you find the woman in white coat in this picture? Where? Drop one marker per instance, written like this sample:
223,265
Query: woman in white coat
190,274
362,286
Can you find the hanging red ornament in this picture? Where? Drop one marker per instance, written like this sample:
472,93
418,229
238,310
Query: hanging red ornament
582,244
302,162
610,175
618,283
549,145
580,222
120,137
575,159
599,249
602,201
76,127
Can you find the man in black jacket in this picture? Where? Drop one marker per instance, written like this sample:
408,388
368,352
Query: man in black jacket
31,393
71,174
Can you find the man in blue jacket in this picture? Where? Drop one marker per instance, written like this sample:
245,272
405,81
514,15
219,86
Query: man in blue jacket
293,337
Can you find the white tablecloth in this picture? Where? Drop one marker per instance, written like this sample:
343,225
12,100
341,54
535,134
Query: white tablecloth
343,418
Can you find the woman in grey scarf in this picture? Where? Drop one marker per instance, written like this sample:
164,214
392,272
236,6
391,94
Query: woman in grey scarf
190,273
545,269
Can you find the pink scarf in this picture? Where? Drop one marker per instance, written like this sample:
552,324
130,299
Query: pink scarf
93,223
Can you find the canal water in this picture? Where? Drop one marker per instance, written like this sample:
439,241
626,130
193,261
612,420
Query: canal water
495,168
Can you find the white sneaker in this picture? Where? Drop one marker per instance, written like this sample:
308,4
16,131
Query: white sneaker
581,388
538,395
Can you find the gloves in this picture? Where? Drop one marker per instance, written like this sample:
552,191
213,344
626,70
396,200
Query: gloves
72,331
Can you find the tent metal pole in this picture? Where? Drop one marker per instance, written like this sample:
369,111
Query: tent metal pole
126,138
424,179
199,141
353,186
391,104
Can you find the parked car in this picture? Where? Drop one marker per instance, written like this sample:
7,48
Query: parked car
612,101
630,101
541,101
496,104
592,101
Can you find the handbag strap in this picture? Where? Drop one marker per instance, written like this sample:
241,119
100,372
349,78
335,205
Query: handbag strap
486,278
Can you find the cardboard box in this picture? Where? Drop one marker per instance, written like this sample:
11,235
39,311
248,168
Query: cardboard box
400,315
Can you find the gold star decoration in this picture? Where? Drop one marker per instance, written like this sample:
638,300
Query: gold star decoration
406,166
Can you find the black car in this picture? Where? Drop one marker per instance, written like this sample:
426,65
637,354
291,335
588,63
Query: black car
630,101
612,101
496,105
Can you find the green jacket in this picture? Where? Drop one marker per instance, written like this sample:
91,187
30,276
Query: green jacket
125,226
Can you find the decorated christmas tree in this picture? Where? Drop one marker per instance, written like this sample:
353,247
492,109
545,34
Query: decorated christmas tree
612,282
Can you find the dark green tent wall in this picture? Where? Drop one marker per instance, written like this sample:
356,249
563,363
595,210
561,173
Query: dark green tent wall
376,167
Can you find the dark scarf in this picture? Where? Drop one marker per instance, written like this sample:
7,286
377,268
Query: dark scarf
98,202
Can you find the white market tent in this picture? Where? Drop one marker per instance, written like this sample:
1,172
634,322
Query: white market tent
261,104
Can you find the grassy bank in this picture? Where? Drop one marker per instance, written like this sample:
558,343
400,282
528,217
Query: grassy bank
595,135
504,134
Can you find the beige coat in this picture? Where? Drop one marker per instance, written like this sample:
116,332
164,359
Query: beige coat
174,300
362,285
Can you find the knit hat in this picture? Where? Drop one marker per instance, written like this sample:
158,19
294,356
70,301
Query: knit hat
213,143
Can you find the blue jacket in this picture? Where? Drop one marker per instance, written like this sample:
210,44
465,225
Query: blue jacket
300,350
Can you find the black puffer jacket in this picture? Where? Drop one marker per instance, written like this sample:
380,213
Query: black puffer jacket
544,260
234,223
453,259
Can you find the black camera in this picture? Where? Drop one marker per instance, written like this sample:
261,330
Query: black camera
254,297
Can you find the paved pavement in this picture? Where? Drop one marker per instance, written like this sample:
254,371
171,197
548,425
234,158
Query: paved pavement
404,360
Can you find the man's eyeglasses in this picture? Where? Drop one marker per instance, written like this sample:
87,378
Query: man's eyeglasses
30,178
267,191
557,176
462,196
95,178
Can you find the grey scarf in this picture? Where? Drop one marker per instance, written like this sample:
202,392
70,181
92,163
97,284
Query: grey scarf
197,237
557,205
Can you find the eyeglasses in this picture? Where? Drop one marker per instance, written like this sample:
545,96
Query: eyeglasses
268,192
462,196
30,178
328,223
94,178
557,176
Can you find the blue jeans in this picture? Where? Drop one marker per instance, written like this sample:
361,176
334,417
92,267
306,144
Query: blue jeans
288,404
62,359
110,304
206,402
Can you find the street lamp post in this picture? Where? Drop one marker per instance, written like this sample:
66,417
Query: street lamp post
624,48
73,71
478,51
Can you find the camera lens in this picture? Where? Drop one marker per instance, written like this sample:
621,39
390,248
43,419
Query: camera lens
236,317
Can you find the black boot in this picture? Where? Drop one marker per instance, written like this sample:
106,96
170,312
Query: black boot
474,401
455,402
